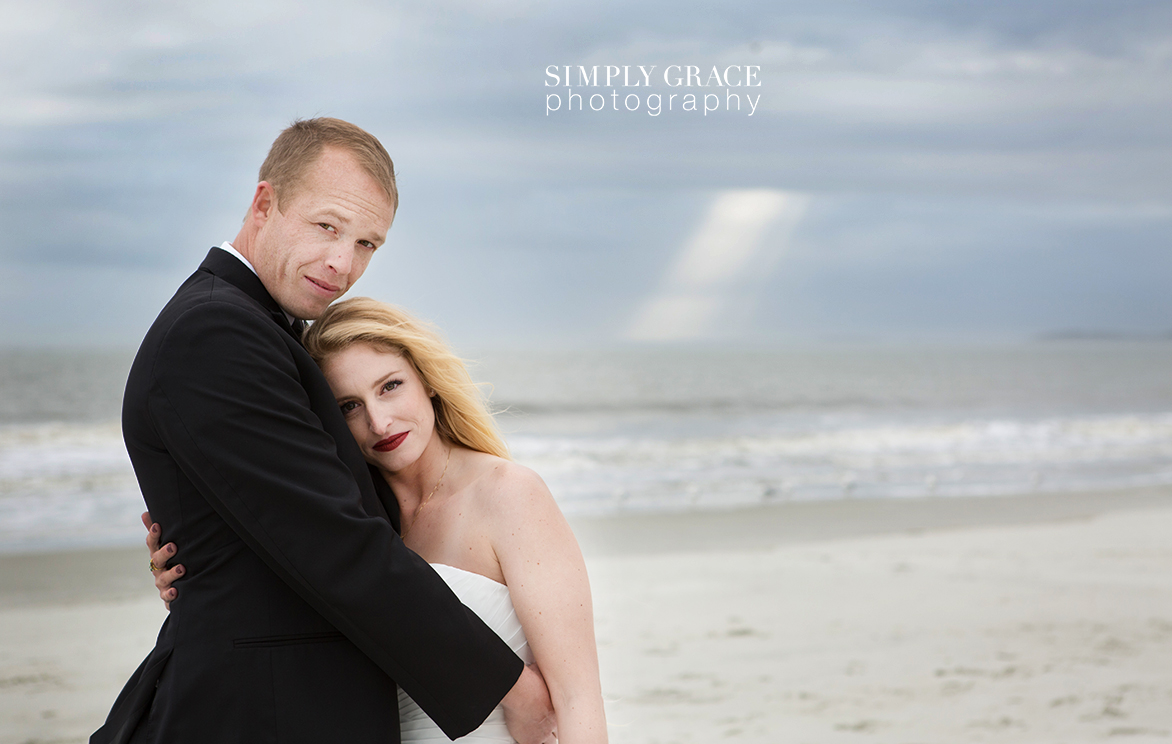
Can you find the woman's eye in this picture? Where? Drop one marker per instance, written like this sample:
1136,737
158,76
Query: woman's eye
391,385
348,406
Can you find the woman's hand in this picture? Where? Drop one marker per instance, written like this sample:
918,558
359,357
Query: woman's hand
529,713
164,577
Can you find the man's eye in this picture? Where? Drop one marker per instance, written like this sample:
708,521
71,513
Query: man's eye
326,226
368,244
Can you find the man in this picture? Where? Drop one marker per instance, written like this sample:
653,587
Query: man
300,605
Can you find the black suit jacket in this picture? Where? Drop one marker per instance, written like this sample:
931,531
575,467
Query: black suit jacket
300,608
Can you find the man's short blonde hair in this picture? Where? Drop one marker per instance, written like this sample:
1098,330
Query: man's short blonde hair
299,146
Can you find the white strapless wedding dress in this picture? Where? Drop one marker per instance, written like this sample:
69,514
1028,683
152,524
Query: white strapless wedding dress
491,602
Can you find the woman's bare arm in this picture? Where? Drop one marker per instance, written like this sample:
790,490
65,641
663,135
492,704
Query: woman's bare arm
547,582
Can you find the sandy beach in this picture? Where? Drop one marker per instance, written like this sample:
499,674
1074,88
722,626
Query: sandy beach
1044,618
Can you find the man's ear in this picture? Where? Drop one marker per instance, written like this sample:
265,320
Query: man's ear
264,203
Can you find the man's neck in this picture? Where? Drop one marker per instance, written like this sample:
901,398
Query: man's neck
227,248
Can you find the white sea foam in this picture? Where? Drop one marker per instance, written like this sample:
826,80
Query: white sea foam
880,460
66,485
73,485
669,430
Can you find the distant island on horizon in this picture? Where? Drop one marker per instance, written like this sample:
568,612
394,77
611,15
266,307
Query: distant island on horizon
1090,334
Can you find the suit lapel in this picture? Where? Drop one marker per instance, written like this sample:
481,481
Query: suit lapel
376,494
386,497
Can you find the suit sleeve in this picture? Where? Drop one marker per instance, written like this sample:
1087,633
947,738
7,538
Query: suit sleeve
229,405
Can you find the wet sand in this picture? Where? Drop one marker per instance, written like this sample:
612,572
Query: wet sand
1044,618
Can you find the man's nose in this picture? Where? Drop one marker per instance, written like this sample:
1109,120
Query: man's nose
341,260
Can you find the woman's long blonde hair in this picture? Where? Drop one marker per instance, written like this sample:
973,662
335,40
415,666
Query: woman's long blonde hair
461,412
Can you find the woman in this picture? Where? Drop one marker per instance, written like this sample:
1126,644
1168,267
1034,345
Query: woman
488,526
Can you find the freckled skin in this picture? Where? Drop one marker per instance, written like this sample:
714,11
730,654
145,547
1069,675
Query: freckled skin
490,516
310,248
381,395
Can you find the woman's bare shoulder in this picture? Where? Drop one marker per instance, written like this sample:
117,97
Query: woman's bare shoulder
503,484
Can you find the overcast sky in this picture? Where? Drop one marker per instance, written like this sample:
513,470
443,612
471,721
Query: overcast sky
912,170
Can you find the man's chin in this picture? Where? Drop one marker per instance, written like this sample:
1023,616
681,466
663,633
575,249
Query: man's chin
308,310
313,314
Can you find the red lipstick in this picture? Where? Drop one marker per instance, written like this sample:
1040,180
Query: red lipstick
391,442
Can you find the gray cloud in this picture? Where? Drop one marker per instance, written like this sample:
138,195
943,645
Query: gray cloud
952,155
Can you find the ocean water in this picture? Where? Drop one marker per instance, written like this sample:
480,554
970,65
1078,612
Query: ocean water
678,429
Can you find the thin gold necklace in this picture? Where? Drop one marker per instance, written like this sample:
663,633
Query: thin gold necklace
427,498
